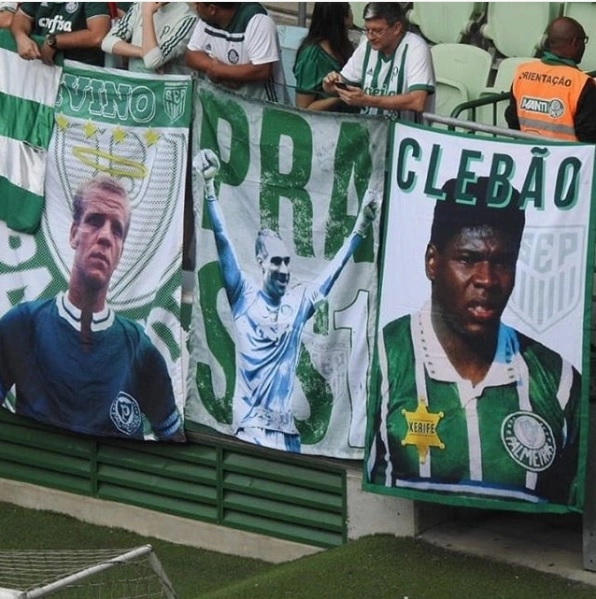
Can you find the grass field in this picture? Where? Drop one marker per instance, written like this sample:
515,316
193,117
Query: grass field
380,566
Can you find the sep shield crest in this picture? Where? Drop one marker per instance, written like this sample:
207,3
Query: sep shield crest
174,100
549,276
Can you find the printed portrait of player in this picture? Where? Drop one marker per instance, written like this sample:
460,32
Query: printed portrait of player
74,363
465,403
269,318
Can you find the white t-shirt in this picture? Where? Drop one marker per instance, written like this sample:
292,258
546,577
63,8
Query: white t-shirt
257,44
410,68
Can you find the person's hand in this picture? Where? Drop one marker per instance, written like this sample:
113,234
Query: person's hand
368,213
206,162
47,54
329,82
27,48
352,95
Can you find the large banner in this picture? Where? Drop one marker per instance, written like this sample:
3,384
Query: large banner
90,337
283,324
481,387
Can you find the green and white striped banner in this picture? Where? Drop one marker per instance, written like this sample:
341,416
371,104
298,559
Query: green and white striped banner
28,90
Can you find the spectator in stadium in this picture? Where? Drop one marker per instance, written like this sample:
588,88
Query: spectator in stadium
552,97
391,72
235,44
7,10
153,36
74,362
491,411
74,28
325,48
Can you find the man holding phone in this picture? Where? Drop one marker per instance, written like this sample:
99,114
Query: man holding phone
391,73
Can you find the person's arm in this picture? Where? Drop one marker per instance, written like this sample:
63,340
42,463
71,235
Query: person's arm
585,115
206,163
97,27
7,10
313,102
413,100
118,39
22,25
156,394
156,54
368,213
511,113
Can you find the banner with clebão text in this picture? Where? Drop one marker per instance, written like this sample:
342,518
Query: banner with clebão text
90,329
284,313
481,383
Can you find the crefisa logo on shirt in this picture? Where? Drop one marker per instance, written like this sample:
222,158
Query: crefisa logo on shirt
233,56
125,413
529,440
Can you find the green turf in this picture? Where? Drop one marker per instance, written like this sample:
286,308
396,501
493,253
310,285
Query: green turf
380,566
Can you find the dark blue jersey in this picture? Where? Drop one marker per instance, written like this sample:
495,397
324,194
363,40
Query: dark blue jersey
112,383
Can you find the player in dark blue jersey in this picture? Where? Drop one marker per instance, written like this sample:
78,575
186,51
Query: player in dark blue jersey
72,361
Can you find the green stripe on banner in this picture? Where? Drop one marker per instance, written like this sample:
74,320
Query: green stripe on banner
33,125
20,208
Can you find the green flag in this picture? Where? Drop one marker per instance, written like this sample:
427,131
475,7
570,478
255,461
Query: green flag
28,90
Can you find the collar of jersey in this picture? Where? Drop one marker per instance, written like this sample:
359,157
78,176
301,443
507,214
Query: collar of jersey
502,371
100,321
549,58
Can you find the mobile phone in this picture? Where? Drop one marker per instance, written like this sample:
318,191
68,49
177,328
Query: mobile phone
344,84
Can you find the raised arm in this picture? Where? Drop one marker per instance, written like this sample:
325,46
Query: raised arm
366,216
206,163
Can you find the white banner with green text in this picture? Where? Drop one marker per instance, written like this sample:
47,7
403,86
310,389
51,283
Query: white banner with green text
481,382
283,320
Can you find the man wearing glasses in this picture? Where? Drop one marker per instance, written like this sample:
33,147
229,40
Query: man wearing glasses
552,97
391,72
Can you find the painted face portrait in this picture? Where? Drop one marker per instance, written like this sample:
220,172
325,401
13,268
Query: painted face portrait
98,238
472,278
275,264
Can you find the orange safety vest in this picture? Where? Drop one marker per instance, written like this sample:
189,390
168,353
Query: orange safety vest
546,96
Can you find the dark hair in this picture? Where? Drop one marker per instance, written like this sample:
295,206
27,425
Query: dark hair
390,11
226,5
328,24
451,216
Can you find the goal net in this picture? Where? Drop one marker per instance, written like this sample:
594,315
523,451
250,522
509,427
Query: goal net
84,574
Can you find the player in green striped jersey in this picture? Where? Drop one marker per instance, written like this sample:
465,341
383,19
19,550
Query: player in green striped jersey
465,403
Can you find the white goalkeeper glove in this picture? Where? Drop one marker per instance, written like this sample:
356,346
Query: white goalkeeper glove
368,213
206,162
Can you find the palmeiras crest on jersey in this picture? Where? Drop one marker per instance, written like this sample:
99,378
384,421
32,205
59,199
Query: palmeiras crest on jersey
125,413
174,99
549,276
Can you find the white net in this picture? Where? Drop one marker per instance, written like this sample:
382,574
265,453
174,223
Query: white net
84,574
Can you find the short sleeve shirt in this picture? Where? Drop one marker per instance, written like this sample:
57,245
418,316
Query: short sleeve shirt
409,68
65,17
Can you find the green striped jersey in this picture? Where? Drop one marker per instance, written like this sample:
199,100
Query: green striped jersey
512,436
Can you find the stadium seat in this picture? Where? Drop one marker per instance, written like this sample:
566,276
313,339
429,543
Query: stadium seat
502,83
517,28
585,13
461,72
445,22
290,37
